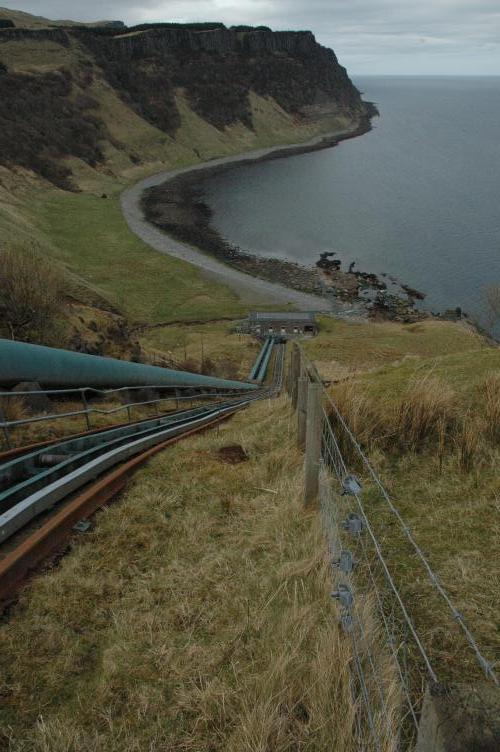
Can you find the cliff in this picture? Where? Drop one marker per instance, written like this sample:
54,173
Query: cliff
53,113
218,68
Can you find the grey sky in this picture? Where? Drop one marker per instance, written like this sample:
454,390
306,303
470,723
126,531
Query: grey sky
370,36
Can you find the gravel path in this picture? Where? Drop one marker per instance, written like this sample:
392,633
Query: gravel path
250,289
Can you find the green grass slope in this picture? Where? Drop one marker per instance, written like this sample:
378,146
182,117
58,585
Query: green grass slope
88,235
424,401
194,616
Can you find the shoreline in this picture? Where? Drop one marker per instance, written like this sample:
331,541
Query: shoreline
250,288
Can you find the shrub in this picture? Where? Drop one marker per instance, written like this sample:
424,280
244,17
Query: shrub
40,124
208,367
12,408
228,368
31,293
189,364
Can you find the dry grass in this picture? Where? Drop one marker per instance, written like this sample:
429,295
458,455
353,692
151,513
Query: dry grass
196,615
233,354
61,427
425,414
365,346
489,397
435,444
429,415
12,408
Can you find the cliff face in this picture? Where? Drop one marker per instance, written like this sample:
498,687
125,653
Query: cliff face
218,68
215,70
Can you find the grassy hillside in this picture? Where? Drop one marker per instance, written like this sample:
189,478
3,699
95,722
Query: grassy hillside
207,622
86,234
195,616
28,21
424,400
196,613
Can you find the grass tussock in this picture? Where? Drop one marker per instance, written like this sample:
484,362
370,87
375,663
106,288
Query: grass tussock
489,397
436,448
425,414
361,416
195,616
430,416
366,346
12,409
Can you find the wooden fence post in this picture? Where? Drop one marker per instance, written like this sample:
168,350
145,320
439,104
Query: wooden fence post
302,411
5,430
460,718
313,444
295,374
289,376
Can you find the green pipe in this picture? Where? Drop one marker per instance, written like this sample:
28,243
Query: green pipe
260,357
51,367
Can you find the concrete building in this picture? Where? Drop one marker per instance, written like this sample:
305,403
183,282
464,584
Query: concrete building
282,324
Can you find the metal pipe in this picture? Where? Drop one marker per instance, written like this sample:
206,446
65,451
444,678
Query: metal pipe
258,371
49,366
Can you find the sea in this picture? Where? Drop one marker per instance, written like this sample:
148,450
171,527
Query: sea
417,198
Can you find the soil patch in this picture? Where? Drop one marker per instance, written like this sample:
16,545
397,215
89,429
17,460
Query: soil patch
233,454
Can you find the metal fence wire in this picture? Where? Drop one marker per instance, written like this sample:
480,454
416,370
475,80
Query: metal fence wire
159,396
391,661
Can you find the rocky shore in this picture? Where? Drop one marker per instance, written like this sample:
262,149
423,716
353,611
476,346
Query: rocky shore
178,208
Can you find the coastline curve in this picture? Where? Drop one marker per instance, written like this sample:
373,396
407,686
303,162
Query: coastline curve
250,289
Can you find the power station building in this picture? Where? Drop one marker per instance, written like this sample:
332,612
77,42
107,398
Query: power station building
282,324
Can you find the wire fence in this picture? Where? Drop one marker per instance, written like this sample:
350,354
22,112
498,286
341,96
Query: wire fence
151,397
393,656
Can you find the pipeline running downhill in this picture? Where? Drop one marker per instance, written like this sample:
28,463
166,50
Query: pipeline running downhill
35,482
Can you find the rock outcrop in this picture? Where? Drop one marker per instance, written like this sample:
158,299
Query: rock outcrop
52,115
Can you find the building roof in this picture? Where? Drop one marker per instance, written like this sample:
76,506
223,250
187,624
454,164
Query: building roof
278,316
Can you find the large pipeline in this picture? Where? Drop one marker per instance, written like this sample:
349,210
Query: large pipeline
52,368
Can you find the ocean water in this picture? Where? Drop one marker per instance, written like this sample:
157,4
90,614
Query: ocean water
417,198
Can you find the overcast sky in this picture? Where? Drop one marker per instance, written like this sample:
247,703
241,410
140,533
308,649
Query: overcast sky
450,37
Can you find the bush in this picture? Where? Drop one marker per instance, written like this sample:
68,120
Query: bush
40,124
12,408
31,294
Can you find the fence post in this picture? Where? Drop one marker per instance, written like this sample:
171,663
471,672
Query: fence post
459,718
86,408
313,444
288,380
295,374
5,430
302,411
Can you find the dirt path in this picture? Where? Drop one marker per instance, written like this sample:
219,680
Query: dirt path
251,290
